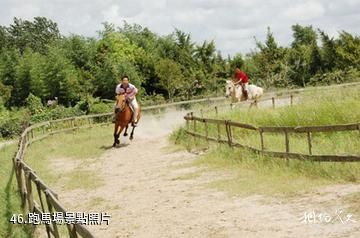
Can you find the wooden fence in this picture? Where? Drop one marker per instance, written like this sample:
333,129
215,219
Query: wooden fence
36,196
285,130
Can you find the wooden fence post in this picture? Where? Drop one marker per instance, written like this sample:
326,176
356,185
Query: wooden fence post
218,124
287,144
17,173
42,205
228,132
291,99
261,139
309,142
273,102
51,211
21,185
206,132
29,193
187,122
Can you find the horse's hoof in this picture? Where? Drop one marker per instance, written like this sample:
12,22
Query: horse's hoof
126,134
114,144
131,137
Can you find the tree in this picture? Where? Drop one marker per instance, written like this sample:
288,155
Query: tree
170,77
5,93
115,56
303,35
35,35
205,54
270,61
3,37
348,51
328,51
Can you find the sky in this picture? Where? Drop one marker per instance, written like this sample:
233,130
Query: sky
232,24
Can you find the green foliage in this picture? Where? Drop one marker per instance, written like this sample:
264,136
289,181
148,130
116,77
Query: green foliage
170,76
57,112
154,99
336,77
36,35
303,35
35,59
13,122
348,50
34,104
237,60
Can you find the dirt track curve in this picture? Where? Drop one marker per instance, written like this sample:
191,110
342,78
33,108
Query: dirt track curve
149,192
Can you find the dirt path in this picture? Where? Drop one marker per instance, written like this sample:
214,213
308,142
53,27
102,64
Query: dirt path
151,191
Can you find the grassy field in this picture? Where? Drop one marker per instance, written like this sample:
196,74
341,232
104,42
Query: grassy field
81,149
9,197
260,174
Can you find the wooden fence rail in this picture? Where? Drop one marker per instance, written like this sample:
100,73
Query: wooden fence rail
229,125
36,195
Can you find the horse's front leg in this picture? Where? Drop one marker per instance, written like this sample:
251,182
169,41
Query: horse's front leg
116,135
125,133
132,133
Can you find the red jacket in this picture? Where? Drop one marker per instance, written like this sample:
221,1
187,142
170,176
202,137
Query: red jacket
241,76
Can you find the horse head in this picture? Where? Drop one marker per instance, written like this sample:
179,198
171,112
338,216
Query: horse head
229,88
120,103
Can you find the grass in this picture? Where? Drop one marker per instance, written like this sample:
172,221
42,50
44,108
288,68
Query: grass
9,197
77,150
258,174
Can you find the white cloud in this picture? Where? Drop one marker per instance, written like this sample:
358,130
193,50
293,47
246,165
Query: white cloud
305,11
231,23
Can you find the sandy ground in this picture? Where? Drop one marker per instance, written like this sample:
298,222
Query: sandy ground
152,191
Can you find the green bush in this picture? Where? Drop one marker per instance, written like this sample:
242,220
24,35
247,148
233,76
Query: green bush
12,123
336,76
56,113
101,107
153,99
34,104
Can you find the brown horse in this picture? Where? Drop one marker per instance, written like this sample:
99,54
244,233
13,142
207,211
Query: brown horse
123,118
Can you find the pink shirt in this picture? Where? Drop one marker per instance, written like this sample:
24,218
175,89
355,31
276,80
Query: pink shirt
130,90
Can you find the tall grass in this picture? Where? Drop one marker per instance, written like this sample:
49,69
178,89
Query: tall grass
318,108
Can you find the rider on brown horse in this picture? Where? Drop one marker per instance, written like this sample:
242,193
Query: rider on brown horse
127,110
130,91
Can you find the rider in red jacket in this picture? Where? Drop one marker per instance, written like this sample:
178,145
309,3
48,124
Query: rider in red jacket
241,78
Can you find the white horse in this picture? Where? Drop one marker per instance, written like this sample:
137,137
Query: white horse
236,93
